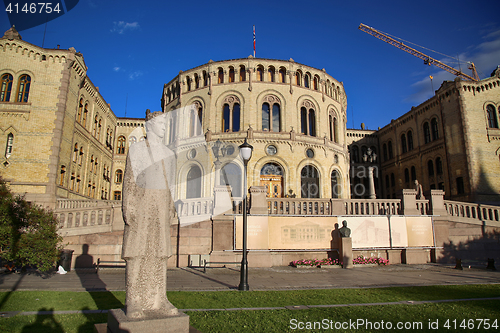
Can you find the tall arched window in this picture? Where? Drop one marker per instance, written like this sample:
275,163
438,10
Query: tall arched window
307,80
9,146
355,154
6,87
196,81
75,153
220,76
231,74
243,73
205,78
413,174
492,117
282,75
439,166
404,148
271,114
393,180
196,116
410,140
271,71
231,114
336,185
407,176
193,183
85,114
298,78
80,110
330,118
309,182
389,148
118,176
188,83
260,73
120,148
63,171
308,119
23,88
427,133
430,168
434,129
316,83
231,175
384,151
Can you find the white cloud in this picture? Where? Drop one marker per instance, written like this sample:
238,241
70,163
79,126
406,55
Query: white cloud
135,75
116,69
122,26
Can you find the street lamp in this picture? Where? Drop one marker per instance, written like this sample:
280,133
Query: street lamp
246,154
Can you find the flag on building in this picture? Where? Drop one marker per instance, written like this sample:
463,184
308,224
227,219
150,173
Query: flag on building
254,41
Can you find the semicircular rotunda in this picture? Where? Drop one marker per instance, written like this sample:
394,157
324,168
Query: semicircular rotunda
293,115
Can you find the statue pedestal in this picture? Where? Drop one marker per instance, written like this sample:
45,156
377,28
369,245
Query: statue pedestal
346,252
118,322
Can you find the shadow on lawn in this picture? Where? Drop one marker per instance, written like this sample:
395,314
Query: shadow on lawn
45,322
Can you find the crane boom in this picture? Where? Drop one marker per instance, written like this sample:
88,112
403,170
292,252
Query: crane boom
427,59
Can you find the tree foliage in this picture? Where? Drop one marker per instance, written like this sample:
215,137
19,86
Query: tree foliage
28,233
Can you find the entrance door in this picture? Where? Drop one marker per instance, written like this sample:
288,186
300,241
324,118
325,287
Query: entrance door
273,184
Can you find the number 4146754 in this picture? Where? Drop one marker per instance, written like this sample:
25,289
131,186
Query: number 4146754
33,8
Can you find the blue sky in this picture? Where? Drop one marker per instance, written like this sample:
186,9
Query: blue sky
133,47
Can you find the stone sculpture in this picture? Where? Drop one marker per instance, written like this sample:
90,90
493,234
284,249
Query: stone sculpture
344,231
148,212
420,191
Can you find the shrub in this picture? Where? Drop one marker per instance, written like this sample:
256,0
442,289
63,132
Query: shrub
28,233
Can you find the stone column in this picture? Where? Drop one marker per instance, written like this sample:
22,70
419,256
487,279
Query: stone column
222,200
345,252
436,202
409,202
371,184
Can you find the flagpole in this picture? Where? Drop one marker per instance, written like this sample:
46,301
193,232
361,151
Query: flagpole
254,41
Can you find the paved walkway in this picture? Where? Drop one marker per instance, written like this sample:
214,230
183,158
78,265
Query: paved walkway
276,278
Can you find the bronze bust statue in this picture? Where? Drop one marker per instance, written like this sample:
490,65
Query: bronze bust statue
345,231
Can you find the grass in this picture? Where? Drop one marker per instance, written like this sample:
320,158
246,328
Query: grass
261,320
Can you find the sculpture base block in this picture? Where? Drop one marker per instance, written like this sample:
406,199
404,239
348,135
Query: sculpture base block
346,252
118,322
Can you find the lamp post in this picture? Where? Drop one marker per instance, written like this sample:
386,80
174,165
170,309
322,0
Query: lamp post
246,154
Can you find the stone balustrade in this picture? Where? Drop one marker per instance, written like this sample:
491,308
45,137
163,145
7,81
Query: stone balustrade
194,207
299,206
467,211
372,206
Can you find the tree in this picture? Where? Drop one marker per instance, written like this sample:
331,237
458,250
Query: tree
28,233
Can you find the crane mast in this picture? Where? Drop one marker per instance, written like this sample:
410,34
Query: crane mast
427,59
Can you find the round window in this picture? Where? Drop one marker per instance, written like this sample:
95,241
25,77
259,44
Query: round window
310,153
192,153
229,150
271,150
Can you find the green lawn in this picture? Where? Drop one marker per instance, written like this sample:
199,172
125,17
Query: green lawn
267,320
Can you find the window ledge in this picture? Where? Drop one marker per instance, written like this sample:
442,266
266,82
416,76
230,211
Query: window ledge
16,109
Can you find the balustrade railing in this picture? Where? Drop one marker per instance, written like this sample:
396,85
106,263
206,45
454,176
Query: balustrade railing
295,206
372,206
194,207
474,211
73,213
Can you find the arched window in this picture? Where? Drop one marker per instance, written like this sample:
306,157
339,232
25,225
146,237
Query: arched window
335,130
282,75
231,74
298,78
220,76
393,180
330,118
309,182
196,81
193,183
72,183
355,154
61,177
23,88
413,174
307,80
404,148
85,114
492,117
231,115
243,73
205,78
196,116
434,129
316,83
96,123
6,87
308,119
410,140
99,129
387,183
271,73
384,151
117,195
407,176
188,83
10,145
231,175
389,148
120,149
260,73
430,168
271,116
80,110
118,176
75,153
439,166
336,185
427,133
91,164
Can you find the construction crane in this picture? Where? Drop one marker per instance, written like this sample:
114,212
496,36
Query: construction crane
427,59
